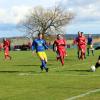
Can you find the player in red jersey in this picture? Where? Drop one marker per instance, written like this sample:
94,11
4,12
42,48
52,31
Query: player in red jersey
6,48
82,45
60,44
75,42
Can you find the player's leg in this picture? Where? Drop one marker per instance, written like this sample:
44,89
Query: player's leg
9,57
62,53
78,54
5,54
58,56
8,54
92,51
41,58
45,59
88,52
83,50
81,54
62,61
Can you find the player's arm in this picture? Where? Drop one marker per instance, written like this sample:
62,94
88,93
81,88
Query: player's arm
33,47
45,45
65,42
92,42
54,45
85,41
74,41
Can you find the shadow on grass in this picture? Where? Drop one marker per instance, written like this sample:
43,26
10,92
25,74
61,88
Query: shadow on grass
18,72
23,65
74,70
79,70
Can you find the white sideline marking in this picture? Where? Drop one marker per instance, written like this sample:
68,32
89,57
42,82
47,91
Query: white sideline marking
22,74
32,74
83,95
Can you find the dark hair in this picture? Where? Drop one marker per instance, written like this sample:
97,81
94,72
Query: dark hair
78,31
58,34
40,34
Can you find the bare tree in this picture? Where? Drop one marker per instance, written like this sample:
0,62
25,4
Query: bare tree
47,21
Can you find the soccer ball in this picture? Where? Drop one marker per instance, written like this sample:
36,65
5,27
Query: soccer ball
93,69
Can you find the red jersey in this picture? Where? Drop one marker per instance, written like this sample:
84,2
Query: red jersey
6,43
60,44
82,40
82,43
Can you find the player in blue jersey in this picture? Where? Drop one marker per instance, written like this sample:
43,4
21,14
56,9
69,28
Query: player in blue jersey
90,45
40,45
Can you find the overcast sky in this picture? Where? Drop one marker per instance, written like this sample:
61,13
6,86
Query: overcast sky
87,14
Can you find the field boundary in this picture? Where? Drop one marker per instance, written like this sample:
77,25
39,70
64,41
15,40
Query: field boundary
83,95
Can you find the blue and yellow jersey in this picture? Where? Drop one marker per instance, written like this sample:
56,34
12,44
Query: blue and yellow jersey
39,45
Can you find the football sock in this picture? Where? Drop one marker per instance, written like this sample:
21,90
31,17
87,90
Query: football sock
62,61
43,64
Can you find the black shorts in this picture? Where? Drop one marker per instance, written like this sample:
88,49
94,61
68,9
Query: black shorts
99,58
97,65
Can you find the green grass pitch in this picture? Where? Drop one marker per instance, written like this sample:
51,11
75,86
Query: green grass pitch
21,78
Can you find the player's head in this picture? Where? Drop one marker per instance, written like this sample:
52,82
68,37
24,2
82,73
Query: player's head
4,39
59,36
89,35
82,34
79,33
40,35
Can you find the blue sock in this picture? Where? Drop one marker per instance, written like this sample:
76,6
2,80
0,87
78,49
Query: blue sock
43,64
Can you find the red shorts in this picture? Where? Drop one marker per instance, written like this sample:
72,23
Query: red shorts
6,51
82,48
62,52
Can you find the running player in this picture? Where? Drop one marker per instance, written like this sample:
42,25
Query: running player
40,45
82,45
60,44
75,41
6,46
90,45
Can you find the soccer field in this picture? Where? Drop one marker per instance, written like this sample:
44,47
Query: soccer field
21,78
